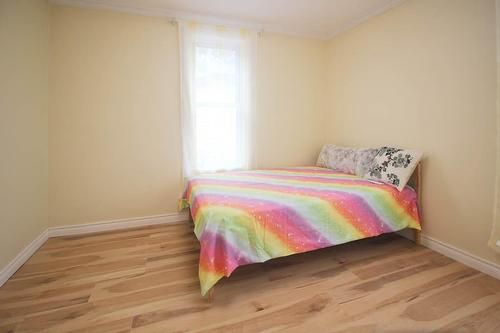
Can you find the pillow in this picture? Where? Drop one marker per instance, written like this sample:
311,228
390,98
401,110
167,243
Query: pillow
393,166
348,160
365,160
338,158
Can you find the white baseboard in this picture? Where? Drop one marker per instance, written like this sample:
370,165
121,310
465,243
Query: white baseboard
22,257
461,256
81,229
465,258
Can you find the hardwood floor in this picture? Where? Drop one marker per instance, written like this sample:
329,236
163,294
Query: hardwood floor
146,280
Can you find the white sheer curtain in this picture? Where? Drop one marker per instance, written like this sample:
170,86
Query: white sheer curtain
217,97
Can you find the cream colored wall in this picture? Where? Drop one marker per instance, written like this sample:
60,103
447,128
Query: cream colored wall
114,119
423,76
115,134
24,33
291,95
495,231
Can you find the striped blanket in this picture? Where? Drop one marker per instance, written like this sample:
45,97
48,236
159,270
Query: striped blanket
247,217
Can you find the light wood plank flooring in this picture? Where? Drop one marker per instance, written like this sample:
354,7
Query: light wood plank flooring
146,280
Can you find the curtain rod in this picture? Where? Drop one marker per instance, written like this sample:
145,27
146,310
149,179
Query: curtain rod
174,21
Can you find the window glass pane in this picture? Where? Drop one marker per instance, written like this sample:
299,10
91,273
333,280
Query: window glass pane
216,75
216,138
216,107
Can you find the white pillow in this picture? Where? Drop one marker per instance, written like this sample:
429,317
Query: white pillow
356,161
394,166
365,160
338,158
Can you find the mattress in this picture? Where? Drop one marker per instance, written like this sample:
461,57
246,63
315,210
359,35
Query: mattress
245,217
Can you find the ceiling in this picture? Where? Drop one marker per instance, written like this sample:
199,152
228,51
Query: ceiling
313,18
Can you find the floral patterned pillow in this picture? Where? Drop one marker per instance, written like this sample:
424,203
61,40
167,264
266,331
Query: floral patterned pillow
393,166
348,160
365,160
338,158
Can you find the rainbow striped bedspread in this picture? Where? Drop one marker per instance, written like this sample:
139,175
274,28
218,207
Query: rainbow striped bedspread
246,217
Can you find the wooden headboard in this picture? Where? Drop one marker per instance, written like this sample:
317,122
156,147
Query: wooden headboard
416,180
416,183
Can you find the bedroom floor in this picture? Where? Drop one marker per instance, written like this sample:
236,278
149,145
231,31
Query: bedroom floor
145,280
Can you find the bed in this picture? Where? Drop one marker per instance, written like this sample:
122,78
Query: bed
245,217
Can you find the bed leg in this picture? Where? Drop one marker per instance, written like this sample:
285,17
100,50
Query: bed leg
210,295
418,237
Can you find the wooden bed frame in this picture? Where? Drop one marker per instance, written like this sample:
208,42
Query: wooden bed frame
415,182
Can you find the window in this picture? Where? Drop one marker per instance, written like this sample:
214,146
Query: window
217,70
217,110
